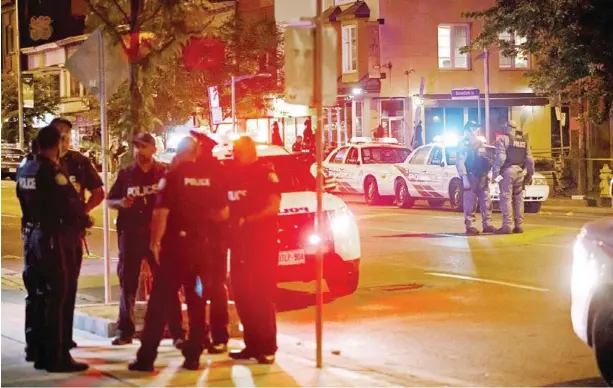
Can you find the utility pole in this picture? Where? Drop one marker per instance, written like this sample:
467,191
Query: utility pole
486,75
19,81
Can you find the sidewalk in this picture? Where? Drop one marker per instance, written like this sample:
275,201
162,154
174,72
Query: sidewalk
567,205
108,365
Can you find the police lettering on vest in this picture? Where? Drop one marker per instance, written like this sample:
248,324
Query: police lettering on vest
27,183
142,191
517,151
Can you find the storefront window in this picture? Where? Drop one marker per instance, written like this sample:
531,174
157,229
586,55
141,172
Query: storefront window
454,120
392,108
358,130
434,123
259,129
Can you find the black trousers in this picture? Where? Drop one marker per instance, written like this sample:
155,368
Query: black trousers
215,290
133,249
253,268
76,246
180,266
49,274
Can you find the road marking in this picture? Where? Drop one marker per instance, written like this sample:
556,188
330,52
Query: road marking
378,215
497,282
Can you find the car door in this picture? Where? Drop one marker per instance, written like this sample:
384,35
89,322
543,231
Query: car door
435,169
353,171
415,172
336,167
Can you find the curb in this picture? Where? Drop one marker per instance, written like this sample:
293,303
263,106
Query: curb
106,328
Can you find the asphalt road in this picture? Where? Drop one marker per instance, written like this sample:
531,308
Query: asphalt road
432,303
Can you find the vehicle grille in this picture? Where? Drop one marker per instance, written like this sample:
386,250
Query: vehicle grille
295,229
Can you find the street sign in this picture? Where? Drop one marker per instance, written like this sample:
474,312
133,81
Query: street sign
290,12
465,94
216,111
28,90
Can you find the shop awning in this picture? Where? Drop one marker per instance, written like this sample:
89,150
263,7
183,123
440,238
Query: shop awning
366,85
496,100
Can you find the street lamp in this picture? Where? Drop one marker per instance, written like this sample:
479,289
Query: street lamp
233,82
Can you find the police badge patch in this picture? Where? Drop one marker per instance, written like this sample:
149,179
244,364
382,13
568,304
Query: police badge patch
162,184
273,177
61,179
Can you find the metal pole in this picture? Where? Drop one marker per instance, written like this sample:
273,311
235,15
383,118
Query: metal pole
345,129
233,104
19,81
338,126
330,138
318,102
479,110
486,74
105,171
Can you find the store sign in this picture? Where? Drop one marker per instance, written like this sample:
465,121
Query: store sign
374,52
216,111
28,90
465,94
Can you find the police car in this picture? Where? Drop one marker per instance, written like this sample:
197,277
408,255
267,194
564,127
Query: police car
430,174
297,238
592,291
366,167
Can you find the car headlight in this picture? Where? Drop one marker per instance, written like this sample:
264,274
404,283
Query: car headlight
341,221
585,268
539,182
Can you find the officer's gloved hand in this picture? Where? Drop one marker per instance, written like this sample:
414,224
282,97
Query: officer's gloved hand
466,182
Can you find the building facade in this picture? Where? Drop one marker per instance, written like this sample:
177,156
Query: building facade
9,37
386,49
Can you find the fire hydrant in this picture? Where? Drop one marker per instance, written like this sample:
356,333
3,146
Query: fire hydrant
605,181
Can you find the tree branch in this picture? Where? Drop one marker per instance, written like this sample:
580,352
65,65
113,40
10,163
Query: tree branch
125,15
107,22
153,14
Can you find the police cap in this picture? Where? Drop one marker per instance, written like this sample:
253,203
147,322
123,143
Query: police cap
204,141
48,137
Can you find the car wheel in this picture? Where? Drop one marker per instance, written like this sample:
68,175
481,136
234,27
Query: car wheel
436,203
371,191
345,282
532,207
456,196
602,342
403,198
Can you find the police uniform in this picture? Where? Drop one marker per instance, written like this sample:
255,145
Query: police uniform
254,258
215,287
512,157
133,234
57,218
474,165
190,194
82,175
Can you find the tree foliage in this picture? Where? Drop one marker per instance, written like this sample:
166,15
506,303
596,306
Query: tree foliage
46,102
569,42
162,91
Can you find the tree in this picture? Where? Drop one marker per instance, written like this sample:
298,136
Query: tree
152,33
570,43
46,102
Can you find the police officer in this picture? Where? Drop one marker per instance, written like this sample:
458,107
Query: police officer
187,197
255,200
83,176
513,156
215,285
474,166
32,323
133,195
57,216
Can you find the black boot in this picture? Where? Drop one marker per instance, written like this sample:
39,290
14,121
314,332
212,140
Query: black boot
66,365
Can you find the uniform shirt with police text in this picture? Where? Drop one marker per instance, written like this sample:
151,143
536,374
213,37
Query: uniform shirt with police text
249,190
142,187
191,194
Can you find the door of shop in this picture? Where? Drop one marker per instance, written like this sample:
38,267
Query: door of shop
394,127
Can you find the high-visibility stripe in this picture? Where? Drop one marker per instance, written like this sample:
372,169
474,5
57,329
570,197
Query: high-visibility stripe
432,191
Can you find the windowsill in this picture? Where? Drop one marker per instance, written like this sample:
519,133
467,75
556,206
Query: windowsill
454,69
349,72
514,68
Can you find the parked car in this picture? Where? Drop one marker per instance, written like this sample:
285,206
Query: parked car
430,173
592,291
11,158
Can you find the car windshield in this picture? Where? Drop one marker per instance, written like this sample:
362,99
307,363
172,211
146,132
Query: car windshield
384,155
293,171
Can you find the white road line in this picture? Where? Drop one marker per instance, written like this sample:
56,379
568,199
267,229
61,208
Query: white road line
507,284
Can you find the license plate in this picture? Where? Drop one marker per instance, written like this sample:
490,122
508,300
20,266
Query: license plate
296,257
12,170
